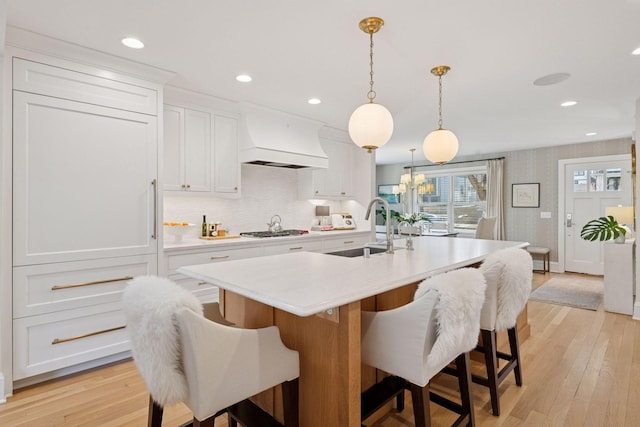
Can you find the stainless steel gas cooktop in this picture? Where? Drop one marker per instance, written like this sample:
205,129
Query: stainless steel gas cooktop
282,233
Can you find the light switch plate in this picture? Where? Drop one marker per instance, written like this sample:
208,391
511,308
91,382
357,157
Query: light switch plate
545,215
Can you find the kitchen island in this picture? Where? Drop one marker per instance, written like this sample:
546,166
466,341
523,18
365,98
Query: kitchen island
316,299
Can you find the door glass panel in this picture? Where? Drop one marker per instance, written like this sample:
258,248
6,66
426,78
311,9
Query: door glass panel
580,181
596,180
613,179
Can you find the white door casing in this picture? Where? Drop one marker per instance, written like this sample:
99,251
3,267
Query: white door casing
584,195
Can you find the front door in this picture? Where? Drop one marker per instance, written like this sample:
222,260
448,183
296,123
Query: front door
590,186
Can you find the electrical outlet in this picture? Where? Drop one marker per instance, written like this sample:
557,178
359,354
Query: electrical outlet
545,215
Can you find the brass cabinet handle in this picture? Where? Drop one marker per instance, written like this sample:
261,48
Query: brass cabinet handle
188,185
342,193
90,334
347,242
296,248
235,188
203,283
154,184
220,257
98,282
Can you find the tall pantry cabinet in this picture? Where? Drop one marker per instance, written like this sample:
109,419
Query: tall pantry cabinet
86,208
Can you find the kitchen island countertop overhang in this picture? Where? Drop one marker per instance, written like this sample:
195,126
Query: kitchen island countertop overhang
307,283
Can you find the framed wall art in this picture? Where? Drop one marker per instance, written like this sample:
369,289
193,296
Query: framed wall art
386,192
525,195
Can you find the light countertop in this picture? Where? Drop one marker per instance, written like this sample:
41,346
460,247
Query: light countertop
306,283
196,243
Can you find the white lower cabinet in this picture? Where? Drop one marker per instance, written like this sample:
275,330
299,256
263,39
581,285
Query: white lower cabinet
48,342
204,291
345,242
286,248
70,313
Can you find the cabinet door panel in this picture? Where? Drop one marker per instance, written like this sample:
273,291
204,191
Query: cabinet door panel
54,341
34,77
197,151
173,137
287,248
83,181
47,288
226,165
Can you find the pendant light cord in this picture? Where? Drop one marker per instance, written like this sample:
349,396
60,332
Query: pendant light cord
440,102
372,93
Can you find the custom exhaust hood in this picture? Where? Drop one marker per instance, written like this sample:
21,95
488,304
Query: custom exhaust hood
273,138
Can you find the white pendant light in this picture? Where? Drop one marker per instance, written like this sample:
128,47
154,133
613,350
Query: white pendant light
441,145
371,124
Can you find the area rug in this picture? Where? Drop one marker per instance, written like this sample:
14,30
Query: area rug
571,290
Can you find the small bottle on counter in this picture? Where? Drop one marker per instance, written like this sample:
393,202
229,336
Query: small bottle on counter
204,226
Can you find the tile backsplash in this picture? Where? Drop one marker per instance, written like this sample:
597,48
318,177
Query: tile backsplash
266,191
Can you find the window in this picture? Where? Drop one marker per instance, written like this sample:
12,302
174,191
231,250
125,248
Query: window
454,199
596,180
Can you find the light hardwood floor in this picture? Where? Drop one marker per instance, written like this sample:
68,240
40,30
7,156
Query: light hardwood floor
580,368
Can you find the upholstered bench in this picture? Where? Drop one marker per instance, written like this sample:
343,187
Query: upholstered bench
545,252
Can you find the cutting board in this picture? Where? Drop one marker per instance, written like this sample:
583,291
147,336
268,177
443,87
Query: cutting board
219,237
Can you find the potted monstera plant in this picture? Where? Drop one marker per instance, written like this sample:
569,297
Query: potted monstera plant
603,228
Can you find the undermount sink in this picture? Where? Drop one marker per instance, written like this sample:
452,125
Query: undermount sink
351,253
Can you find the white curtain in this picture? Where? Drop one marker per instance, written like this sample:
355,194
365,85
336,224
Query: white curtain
495,194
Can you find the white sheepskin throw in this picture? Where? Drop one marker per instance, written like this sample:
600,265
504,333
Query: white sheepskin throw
457,312
511,270
150,304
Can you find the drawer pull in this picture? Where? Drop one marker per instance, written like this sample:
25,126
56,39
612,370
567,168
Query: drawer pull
99,282
220,257
61,340
296,248
203,283
348,241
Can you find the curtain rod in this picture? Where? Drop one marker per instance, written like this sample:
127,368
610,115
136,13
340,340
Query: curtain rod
455,163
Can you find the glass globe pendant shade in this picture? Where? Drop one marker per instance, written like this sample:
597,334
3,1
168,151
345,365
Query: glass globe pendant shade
370,126
440,146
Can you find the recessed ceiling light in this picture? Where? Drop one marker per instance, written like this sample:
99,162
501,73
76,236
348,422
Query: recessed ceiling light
636,51
314,101
132,43
591,133
244,78
551,79
568,103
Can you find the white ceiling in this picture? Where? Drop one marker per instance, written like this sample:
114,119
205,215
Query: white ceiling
297,49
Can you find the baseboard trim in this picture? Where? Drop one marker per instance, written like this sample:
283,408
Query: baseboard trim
70,370
636,311
3,398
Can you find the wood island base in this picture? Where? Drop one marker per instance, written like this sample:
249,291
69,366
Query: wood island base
331,374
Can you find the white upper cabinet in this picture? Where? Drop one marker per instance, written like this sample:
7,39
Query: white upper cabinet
60,82
187,150
335,182
226,168
200,151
